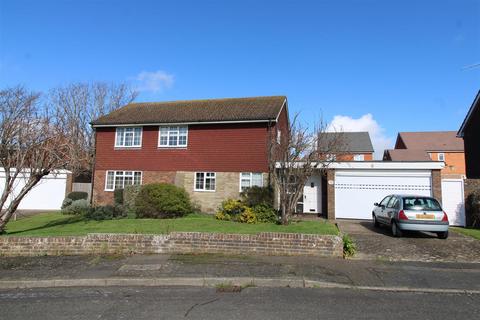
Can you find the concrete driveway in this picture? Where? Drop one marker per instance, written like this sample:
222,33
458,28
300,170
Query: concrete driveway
379,244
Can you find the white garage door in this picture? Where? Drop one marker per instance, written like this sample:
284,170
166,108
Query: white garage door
357,190
453,201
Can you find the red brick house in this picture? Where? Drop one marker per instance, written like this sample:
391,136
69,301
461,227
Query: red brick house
212,148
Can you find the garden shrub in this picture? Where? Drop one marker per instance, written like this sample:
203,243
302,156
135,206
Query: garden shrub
161,200
77,207
232,207
77,195
472,207
107,212
349,247
265,213
254,196
129,195
118,196
247,216
66,202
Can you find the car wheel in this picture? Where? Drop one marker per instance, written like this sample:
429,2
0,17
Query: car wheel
396,230
375,222
442,235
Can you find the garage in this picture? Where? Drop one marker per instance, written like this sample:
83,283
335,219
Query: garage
357,186
48,194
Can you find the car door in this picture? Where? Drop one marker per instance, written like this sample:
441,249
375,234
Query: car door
391,209
380,209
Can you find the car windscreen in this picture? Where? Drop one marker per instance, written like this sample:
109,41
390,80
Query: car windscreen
421,204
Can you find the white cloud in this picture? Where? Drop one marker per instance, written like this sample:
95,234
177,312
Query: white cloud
156,81
366,122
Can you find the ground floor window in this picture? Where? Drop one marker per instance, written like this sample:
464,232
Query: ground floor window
205,181
120,179
250,179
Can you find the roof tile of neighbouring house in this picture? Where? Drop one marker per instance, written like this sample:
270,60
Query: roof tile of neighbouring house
209,110
432,141
351,141
406,155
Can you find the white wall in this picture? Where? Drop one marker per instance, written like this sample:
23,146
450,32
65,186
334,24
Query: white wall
48,194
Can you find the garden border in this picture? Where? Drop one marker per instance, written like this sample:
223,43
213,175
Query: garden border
265,243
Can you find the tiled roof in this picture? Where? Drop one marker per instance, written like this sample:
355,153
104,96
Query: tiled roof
432,141
406,155
351,141
188,111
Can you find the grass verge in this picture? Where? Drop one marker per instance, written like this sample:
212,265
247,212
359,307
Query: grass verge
474,233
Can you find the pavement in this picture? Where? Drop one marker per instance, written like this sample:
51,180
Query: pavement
379,244
250,303
211,270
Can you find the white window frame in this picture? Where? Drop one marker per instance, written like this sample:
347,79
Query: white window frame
204,181
117,145
115,178
332,157
359,157
442,154
250,178
168,136
279,136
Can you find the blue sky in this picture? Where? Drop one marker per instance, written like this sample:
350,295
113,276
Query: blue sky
382,66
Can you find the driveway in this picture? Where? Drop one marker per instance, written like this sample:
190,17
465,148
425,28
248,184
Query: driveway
379,244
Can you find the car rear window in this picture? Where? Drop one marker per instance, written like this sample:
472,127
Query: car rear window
421,204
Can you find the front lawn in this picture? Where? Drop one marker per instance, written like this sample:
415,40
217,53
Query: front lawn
57,224
474,233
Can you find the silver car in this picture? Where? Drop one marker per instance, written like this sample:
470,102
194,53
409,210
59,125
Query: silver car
411,212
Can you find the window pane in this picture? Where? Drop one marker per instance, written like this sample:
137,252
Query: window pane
136,139
245,183
199,181
128,181
210,184
182,140
137,179
120,136
128,139
118,182
172,140
110,177
257,179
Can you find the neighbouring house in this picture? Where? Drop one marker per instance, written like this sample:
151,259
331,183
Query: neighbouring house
435,146
441,146
354,146
470,133
213,148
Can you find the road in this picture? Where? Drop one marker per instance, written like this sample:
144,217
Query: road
250,303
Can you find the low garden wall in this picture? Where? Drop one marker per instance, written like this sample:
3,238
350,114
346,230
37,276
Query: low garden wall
175,242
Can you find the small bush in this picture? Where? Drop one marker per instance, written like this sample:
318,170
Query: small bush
223,216
349,247
77,207
161,200
118,196
247,216
77,195
472,207
255,196
106,213
66,202
232,207
265,213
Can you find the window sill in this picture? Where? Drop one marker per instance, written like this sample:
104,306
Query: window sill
172,147
128,148
195,190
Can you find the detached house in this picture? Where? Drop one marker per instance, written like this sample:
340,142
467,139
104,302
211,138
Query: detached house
212,148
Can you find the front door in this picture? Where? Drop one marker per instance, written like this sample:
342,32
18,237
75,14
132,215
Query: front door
312,195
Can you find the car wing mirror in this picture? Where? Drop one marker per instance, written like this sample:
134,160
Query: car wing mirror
376,204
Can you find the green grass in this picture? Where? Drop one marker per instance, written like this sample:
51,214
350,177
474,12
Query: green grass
474,233
57,224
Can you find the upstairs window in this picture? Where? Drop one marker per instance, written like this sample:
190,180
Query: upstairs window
128,137
441,157
358,157
173,136
120,179
250,179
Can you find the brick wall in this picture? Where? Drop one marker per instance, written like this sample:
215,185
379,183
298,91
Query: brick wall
470,185
176,242
454,164
331,194
437,185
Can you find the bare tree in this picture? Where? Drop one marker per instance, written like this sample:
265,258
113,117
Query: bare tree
32,145
77,105
297,154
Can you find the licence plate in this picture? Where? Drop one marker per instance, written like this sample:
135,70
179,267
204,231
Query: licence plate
426,216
